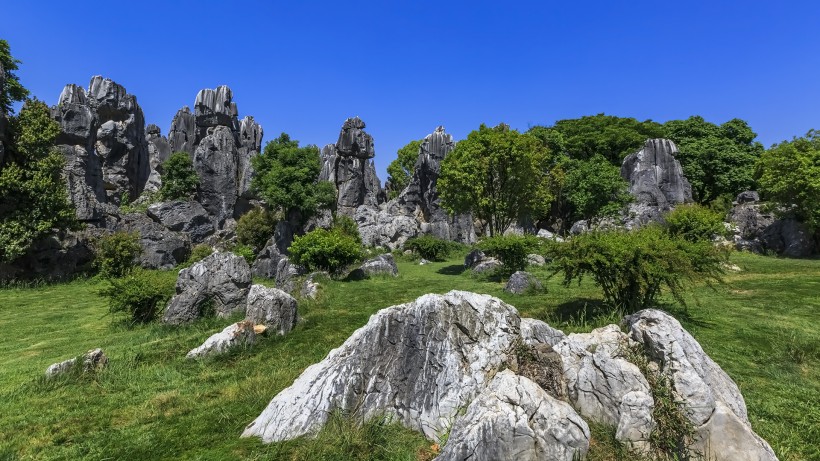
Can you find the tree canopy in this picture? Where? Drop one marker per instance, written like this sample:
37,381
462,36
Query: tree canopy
590,189
498,174
12,90
286,178
402,168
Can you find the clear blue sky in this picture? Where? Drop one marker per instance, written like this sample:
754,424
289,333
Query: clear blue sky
406,67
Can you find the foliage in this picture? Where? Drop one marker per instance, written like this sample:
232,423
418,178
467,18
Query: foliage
33,194
13,90
429,247
141,204
632,267
590,189
610,137
246,251
198,253
179,179
286,178
346,225
716,159
327,250
512,250
255,228
694,223
789,174
499,175
115,254
402,168
140,294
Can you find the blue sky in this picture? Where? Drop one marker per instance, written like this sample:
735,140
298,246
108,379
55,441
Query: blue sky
406,67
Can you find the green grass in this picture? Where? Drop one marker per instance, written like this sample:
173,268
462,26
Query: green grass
151,403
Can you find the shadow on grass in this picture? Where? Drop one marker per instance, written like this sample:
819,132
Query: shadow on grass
581,309
455,269
583,312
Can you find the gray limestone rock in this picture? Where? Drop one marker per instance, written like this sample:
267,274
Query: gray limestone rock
222,279
381,229
187,217
383,264
418,363
93,360
215,160
473,258
215,107
271,307
286,274
158,152
537,332
749,196
513,418
655,176
536,260
55,257
161,248
267,261
310,287
182,134
487,266
238,334
757,229
522,282
712,400
789,237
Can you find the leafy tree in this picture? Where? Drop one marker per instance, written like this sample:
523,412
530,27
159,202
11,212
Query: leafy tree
590,189
115,254
255,227
717,160
789,174
286,177
179,179
12,91
498,174
33,194
401,170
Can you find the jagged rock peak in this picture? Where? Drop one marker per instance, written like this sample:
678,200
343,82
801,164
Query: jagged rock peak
354,141
182,133
108,96
216,101
250,133
72,94
153,130
655,175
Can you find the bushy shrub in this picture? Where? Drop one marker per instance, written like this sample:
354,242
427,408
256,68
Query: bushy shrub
141,294
512,250
325,250
429,247
694,223
198,253
179,179
116,254
632,267
255,227
245,251
347,226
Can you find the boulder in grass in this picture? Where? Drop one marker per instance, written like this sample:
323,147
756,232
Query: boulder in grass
522,282
238,334
271,307
93,360
380,265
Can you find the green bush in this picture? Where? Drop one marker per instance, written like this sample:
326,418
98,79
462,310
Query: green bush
141,294
632,267
347,226
179,179
694,223
245,251
325,250
429,247
198,253
116,254
512,250
255,227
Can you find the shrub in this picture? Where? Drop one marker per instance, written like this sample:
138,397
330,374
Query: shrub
512,250
255,227
245,251
140,294
694,223
632,267
115,254
429,247
325,250
179,179
347,226
198,253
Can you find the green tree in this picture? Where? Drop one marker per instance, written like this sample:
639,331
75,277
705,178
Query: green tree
12,90
286,177
718,160
789,174
590,189
33,195
498,174
179,179
401,169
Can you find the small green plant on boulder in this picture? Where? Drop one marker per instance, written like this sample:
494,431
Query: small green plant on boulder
346,225
141,294
694,223
245,251
325,250
198,253
512,250
429,247
179,179
255,227
116,254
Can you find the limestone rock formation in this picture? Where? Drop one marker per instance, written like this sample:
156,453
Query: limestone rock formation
234,335
380,228
380,265
215,160
93,360
758,230
535,332
514,418
712,400
310,287
158,151
161,248
182,134
187,217
271,307
267,261
521,282
55,257
221,278
536,260
418,362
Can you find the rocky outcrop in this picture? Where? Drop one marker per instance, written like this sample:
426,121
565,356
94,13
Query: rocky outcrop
222,279
182,134
757,229
522,282
215,160
271,307
92,361
187,217
161,248
380,265
158,152
514,418
55,257
480,263
380,228
712,400
236,335
418,363
310,287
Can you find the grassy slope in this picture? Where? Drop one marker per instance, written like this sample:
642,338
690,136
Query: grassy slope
151,403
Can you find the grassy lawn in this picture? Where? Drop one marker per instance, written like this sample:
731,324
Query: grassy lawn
151,403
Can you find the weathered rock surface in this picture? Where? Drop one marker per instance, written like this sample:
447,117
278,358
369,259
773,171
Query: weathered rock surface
93,360
535,331
271,307
161,248
215,160
158,152
383,264
186,217
513,418
487,266
473,258
380,228
758,230
522,282
536,260
238,334
221,278
417,362
712,400
55,257
310,287
267,261
182,134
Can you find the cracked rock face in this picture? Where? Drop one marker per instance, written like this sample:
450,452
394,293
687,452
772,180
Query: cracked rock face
418,362
186,217
380,265
713,401
235,335
521,282
513,418
271,307
161,248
